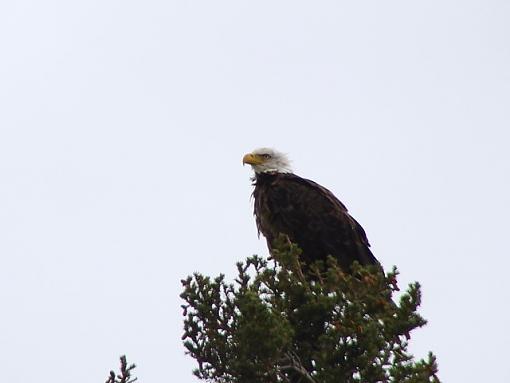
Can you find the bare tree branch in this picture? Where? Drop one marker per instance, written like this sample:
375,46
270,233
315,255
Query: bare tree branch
292,363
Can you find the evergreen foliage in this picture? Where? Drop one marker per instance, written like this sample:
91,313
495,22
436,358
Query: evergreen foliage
124,376
276,324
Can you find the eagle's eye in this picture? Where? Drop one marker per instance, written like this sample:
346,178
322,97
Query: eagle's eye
266,156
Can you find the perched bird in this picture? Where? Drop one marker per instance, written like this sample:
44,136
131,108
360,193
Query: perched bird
304,211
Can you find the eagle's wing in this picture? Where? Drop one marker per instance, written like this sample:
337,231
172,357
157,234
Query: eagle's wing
317,221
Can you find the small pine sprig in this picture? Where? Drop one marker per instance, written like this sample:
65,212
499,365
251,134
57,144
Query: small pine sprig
125,373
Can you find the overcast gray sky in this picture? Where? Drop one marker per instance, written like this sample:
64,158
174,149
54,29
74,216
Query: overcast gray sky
123,125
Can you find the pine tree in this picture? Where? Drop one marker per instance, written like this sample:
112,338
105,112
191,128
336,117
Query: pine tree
279,324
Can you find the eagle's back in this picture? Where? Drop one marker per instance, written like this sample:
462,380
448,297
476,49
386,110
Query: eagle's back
312,217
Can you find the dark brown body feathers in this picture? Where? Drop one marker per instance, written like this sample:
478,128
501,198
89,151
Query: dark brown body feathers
311,217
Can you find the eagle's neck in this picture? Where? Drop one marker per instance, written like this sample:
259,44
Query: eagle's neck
264,177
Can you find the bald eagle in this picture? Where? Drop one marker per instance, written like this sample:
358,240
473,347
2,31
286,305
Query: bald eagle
304,211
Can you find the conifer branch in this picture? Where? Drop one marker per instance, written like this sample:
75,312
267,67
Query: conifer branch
292,363
125,373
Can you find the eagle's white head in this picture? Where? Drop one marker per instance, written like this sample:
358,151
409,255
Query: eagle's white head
267,160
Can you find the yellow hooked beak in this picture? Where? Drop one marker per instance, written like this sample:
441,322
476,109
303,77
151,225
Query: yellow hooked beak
253,159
